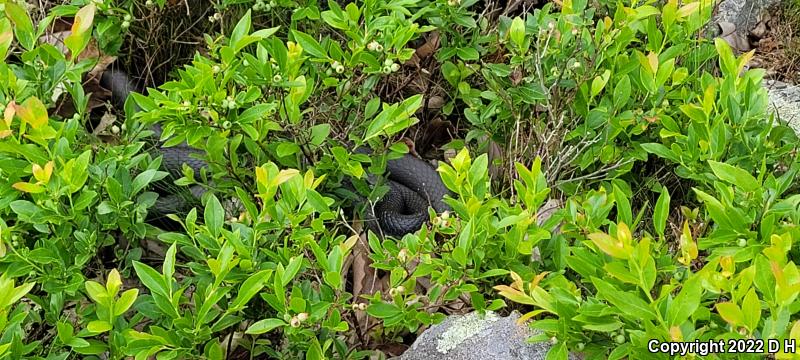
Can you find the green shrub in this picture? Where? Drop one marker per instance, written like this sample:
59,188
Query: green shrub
592,105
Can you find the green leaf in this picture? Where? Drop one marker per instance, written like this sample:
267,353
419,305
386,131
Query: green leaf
727,61
265,33
151,278
517,32
717,211
169,262
621,272
125,301
630,305
145,178
383,310
734,175
291,270
77,343
622,92
264,326
97,292
661,151
65,331
600,82
751,310
241,30
694,112
333,278
624,212
250,288
214,215
23,27
558,352
451,73
661,212
309,44
493,273
394,118
685,304
319,133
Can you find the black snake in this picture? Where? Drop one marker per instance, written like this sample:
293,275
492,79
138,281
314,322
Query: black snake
413,183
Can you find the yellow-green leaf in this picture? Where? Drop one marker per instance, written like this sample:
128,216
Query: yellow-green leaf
113,283
610,245
688,9
99,326
43,174
514,295
6,36
96,291
33,112
517,32
81,30
285,175
731,313
28,187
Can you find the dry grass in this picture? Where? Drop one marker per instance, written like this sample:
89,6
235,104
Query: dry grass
778,51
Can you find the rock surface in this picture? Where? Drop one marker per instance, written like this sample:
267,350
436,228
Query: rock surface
743,14
470,337
784,101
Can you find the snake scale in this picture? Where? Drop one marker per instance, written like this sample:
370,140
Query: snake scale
413,183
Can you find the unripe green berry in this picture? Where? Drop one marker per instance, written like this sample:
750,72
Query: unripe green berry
741,242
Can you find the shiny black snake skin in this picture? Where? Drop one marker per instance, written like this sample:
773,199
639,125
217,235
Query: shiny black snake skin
414,184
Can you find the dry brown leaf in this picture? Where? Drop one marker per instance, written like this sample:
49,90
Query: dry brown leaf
435,102
106,121
425,50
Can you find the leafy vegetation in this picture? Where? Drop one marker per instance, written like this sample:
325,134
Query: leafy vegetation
678,191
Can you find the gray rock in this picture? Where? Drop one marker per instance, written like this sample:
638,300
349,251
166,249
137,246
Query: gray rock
784,102
743,14
470,337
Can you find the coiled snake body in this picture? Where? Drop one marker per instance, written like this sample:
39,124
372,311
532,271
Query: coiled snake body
413,183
